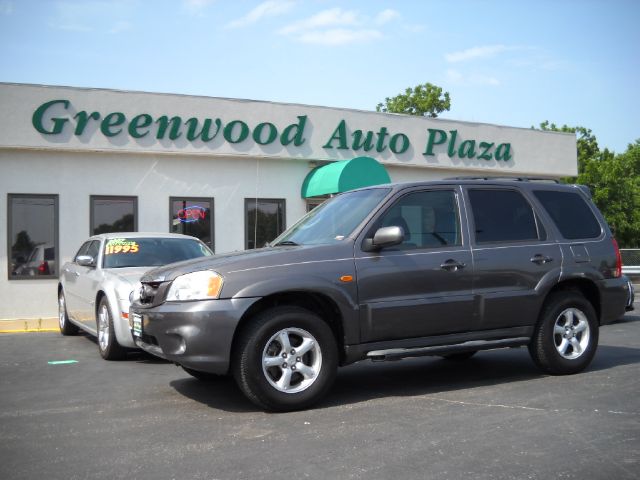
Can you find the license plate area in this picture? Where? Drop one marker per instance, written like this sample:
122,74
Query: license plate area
136,325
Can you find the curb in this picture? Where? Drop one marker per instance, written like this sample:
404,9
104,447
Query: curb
29,325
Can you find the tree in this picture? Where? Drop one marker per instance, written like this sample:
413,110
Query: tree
424,101
614,181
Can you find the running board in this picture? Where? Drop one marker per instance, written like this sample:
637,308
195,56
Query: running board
399,353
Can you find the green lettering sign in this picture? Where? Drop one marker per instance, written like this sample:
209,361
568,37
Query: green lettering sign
58,123
138,123
114,119
404,143
82,119
339,134
163,124
436,137
241,137
205,134
272,133
294,132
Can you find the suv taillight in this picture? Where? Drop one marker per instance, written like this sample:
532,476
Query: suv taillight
618,271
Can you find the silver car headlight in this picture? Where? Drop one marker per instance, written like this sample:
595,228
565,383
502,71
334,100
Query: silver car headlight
205,285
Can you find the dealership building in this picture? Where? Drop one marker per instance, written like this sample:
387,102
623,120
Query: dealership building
235,173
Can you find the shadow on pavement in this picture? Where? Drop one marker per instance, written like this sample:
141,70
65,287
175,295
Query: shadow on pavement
420,376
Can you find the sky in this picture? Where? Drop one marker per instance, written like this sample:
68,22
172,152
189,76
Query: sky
514,63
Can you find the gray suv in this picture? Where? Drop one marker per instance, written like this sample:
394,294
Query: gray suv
433,268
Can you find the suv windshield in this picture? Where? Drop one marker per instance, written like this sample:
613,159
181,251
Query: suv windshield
150,252
334,220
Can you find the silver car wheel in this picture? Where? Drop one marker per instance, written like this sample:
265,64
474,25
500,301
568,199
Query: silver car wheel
291,360
103,327
62,311
571,333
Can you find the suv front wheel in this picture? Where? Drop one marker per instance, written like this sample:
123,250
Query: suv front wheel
566,336
285,359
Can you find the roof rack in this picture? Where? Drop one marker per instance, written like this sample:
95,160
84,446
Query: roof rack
512,179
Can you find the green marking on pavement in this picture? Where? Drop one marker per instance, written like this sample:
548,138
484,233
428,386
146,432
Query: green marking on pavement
62,362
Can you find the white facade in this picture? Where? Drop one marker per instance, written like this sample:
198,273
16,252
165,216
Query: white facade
103,157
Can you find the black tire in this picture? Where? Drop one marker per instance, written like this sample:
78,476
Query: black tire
319,359
202,376
108,345
566,336
66,327
460,357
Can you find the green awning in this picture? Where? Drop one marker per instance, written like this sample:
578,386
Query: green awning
342,176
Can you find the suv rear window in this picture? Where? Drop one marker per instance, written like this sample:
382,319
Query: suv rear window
502,216
570,213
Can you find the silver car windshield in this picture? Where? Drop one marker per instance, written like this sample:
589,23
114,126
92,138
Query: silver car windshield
334,220
150,252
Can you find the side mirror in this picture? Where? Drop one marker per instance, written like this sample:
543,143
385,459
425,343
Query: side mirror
384,237
86,261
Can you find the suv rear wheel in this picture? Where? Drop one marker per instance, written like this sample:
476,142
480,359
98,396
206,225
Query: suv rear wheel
285,359
566,337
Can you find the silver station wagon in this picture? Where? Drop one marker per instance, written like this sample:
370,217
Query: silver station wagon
94,288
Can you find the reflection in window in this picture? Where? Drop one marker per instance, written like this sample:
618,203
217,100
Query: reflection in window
264,221
113,214
194,217
31,232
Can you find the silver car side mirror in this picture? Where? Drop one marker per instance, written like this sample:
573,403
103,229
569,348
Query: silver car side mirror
86,261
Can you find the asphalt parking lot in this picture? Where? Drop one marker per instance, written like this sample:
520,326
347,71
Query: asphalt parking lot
491,417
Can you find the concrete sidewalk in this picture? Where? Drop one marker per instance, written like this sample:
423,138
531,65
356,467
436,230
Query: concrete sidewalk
29,325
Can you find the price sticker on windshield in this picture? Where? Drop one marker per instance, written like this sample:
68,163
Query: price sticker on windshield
121,245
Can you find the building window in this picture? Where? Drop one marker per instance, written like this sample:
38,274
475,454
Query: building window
311,204
264,220
193,216
113,214
32,236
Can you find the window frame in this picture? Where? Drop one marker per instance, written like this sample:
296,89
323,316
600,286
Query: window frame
247,201
541,228
56,230
212,229
93,198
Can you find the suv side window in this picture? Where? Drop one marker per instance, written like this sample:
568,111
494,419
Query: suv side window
502,216
429,219
570,213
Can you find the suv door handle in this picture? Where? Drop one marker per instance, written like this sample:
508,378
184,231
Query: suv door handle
541,259
452,265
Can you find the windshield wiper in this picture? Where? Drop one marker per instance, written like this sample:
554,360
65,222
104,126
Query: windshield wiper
286,242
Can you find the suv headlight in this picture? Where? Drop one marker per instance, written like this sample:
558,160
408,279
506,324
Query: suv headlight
204,285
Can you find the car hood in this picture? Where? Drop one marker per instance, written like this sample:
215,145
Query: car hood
126,276
260,258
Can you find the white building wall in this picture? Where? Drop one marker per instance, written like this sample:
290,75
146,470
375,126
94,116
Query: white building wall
76,167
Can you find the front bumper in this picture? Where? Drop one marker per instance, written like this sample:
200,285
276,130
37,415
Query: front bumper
195,334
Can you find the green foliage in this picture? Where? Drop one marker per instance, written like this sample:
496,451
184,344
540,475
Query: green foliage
614,181
424,101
